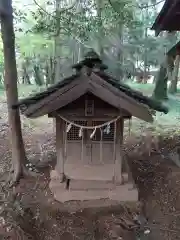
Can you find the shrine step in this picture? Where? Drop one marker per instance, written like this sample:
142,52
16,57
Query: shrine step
90,185
121,194
83,184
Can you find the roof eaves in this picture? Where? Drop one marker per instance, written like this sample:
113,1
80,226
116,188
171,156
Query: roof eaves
38,96
159,17
174,50
166,9
137,95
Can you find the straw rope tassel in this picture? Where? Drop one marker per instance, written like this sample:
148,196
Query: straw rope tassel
93,133
68,127
87,127
80,132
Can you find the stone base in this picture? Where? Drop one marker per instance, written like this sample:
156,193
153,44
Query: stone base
93,190
90,185
121,194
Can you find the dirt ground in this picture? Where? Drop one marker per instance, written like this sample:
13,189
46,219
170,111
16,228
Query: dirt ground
34,214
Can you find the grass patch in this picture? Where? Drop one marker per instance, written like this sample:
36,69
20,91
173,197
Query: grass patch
147,88
163,123
26,90
23,90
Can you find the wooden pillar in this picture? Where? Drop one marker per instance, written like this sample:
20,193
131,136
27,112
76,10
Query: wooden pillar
60,147
127,171
118,151
54,125
89,143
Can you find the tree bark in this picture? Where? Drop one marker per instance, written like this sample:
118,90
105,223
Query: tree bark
145,74
165,72
174,80
99,6
160,91
58,43
37,76
25,75
119,69
8,37
80,52
47,73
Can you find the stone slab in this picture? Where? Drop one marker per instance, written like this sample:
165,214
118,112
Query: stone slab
104,172
121,193
90,185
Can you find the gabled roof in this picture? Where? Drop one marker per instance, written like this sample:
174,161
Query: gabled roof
98,83
168,18
175,50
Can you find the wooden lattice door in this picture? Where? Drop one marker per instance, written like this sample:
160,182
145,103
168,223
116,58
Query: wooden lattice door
98,150
103,145
75,148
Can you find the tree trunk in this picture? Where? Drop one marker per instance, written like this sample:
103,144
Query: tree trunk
75,52
25,75
160,91
145,74
120,71
8,37
99,6
57,43
47,70
155,79
37,76
174,80
80,52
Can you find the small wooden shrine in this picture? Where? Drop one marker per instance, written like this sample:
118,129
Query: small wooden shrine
168,18
90,108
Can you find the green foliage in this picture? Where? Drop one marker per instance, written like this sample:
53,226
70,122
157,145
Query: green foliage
121,29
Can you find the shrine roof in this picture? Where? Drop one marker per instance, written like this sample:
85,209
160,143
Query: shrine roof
168,18
175,50
125,92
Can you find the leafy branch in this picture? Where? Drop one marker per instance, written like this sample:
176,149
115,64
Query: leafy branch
139,6
62,11
151,5
60,18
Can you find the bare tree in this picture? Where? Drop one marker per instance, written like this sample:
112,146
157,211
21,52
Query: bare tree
8,37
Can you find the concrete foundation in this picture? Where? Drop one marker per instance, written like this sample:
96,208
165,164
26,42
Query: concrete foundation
84,190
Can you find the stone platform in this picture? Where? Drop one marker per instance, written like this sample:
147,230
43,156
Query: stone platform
84,190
